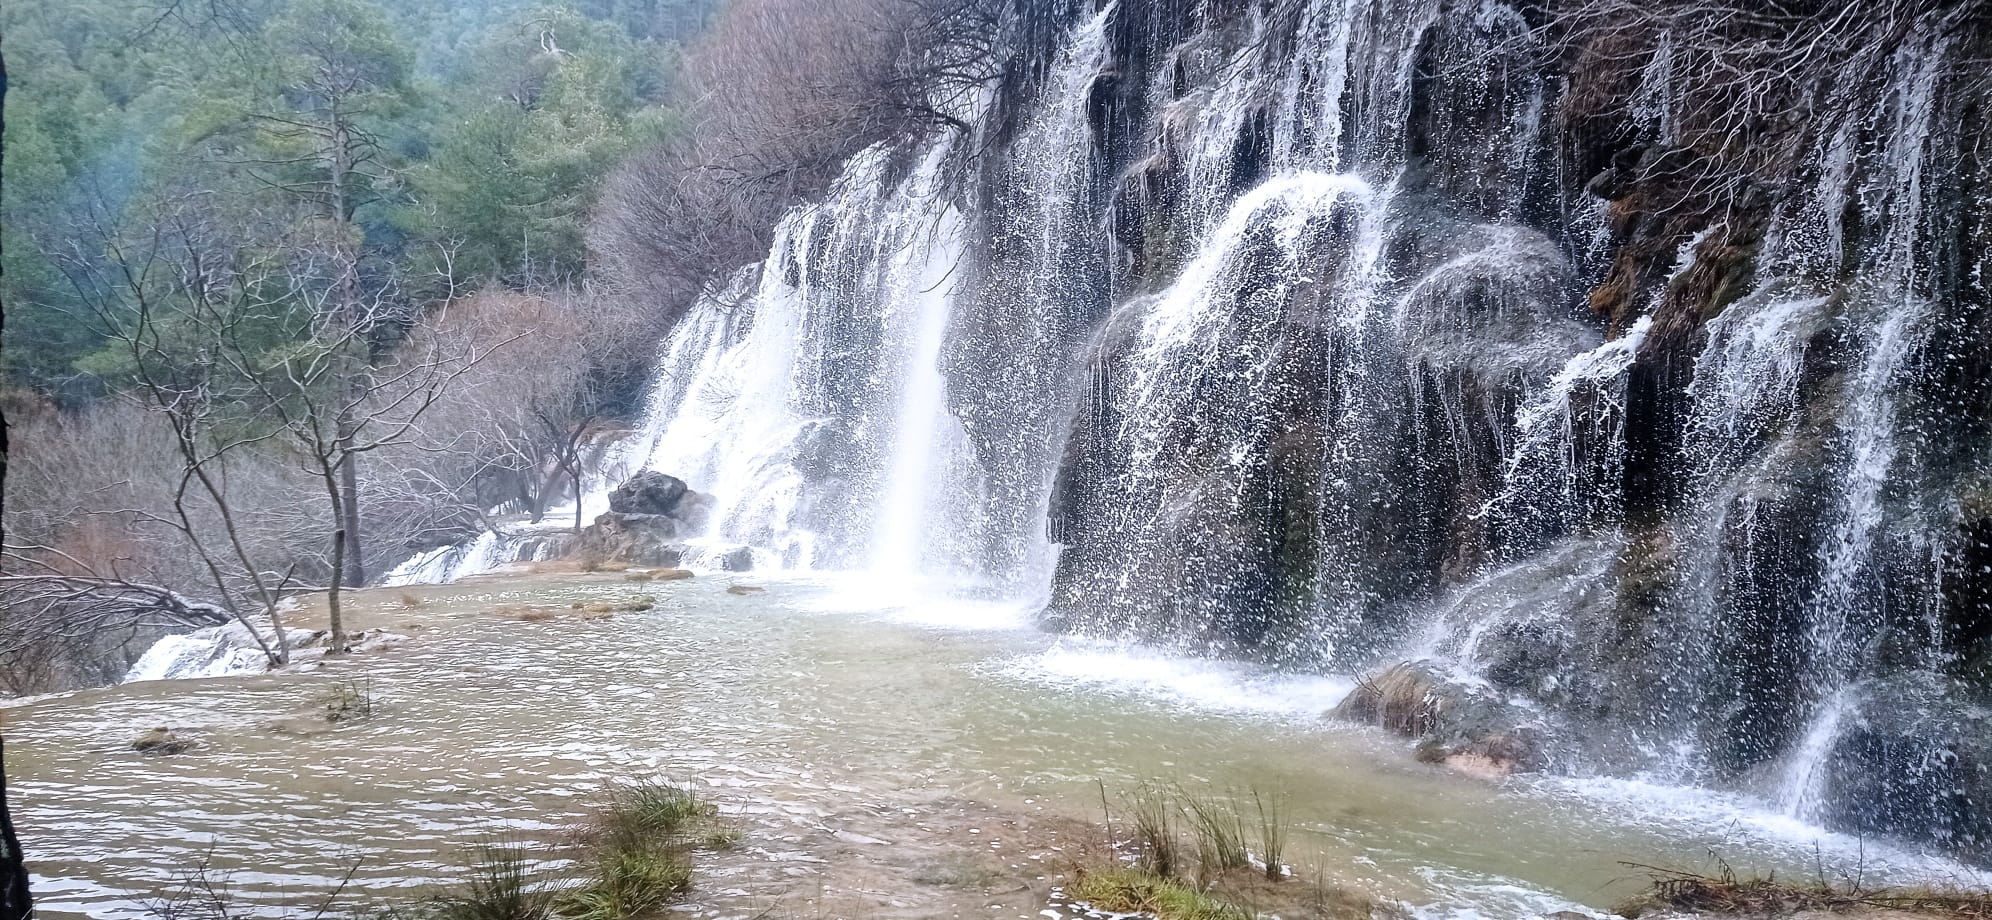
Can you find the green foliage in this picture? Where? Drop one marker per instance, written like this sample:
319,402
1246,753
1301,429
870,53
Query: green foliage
629,881
472,137
542,108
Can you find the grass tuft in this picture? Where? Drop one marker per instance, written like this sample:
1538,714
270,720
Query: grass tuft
1133,891
1272,832
1218,830
503,885
631,879
349,701
641,842
1148,869
654,809
1155,830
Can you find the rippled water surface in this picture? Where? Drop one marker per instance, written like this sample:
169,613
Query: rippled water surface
882,757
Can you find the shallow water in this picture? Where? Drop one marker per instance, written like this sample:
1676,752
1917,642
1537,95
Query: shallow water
882,756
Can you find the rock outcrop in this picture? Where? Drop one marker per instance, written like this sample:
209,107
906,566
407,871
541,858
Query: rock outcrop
650,516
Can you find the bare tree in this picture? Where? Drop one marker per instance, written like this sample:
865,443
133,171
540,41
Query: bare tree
335,63
785,92
528,424
243,341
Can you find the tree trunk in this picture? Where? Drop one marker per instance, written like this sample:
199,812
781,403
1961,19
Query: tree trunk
340,166
355,570
335,619
14,903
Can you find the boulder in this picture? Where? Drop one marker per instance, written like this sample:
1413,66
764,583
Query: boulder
1465,727
737,559
160,742
648,492
648,516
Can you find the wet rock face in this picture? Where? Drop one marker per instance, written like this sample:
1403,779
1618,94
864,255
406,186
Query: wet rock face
648,493
1915,765
637,539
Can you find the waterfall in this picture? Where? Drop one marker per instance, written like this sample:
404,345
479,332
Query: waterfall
927,439
1320,333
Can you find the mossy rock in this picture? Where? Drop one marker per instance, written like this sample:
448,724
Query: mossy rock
1460,726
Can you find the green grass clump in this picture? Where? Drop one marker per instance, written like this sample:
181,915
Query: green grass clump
654,809
629,881
641,843
1131,891
1219,832
503,885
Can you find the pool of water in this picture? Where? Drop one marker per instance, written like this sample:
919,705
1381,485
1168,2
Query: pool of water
882,756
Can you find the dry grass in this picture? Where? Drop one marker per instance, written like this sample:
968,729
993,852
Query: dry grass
639,576
409,601
1725,893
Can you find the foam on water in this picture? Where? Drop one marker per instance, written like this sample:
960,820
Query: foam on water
1754,826
912,599
1192,683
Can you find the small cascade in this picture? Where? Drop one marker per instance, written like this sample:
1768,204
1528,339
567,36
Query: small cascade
447,563
1569,445
1802,789
483,553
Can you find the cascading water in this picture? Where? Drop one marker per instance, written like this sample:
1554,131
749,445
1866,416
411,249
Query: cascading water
1289,332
